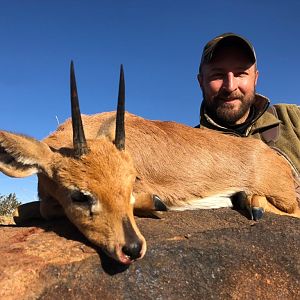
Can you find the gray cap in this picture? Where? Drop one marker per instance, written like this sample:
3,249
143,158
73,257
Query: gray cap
226,39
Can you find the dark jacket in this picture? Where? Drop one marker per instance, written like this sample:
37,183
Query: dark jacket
278,126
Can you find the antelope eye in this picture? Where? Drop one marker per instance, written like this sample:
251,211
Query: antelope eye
80,197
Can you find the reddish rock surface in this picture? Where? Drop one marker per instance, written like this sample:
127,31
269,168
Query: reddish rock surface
208,254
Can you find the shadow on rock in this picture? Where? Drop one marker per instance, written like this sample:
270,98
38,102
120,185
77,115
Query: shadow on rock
63,228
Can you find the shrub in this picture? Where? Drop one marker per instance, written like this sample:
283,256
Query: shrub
8,204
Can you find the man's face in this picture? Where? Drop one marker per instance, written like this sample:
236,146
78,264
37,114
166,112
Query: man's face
228,85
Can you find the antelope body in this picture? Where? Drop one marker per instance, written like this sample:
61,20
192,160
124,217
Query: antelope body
183,164
98,183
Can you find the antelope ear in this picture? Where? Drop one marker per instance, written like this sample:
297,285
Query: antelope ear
22,156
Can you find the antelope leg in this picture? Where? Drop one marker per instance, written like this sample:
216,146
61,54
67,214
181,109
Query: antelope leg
254,205
146,204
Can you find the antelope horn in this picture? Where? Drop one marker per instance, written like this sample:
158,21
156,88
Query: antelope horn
120,125
79,141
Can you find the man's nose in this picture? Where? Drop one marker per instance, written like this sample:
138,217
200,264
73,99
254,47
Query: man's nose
230,82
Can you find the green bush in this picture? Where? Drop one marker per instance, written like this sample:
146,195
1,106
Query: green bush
8,204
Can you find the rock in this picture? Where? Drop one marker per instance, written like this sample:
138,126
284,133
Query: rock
205,254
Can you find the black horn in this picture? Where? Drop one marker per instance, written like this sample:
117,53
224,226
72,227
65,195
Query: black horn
79,141
120,125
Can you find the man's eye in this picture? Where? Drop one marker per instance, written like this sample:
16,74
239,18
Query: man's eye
217,76
80,197
241,74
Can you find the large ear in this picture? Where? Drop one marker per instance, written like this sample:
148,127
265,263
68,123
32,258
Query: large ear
22,156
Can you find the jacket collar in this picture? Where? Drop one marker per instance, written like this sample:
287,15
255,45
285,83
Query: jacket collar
261,104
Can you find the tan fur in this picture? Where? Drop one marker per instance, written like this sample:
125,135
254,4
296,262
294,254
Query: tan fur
176,162
105,173
179,163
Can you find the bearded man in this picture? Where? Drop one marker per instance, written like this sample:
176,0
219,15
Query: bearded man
227,76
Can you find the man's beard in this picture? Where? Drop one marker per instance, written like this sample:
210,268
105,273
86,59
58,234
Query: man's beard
223,112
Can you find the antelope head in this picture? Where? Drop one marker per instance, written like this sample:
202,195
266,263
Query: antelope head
93,182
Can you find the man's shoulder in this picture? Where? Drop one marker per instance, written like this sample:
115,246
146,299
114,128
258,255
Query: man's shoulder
288,113
287,107
283,115
281,111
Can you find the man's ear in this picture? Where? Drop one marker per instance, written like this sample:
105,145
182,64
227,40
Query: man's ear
200,80
256,76
22,156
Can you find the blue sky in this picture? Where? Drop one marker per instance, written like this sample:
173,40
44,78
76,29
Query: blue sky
159,43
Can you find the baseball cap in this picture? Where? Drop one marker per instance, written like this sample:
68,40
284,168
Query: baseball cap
227,39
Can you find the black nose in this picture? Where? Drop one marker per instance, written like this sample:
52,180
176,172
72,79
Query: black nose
133,250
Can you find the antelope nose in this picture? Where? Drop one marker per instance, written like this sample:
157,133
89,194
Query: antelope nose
133,250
